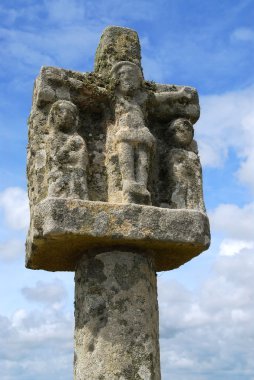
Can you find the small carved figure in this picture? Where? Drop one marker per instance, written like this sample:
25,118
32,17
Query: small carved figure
134,142
185,175
67,153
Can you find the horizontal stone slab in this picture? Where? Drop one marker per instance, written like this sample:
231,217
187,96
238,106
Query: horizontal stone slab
63,229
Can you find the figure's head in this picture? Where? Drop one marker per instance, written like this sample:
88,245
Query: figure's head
128,77
64,116
181,132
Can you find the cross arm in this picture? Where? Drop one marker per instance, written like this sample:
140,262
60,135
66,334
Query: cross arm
83,89
171,101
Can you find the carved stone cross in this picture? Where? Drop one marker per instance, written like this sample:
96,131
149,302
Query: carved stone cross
115,191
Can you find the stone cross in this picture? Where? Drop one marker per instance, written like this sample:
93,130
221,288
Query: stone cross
115,189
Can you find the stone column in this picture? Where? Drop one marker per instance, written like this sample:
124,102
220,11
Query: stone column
116,318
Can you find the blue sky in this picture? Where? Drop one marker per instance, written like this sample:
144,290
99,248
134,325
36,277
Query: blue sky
206,306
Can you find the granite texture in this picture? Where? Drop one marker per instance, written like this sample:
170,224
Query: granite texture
64,229
116,318
115,191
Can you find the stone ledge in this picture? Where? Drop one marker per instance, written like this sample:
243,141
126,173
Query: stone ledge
62,230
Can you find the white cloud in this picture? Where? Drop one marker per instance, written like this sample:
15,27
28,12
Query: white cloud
231,247
154,68
209,334
12,13
18,47
65,11
227,122
114,13
246,172
36,345
11,250
46,293
68,33
66,46
14,203
234,221
62,33
243,34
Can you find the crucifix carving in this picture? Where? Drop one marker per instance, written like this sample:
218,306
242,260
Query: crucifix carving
115,189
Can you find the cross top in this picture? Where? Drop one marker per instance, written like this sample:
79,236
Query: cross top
117,44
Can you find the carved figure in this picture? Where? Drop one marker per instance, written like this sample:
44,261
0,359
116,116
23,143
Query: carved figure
134,142
185,173
130,137
67,154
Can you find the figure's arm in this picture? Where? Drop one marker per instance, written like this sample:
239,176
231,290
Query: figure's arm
76,151
182,95
63,152
82,89
171,102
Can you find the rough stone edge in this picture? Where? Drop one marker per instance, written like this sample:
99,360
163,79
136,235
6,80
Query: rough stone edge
57,245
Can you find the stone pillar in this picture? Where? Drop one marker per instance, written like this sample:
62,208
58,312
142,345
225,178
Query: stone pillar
112,163
116,318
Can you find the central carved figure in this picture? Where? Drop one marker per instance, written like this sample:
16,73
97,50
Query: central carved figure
134,142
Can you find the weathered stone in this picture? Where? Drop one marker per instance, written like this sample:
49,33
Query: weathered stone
104,146
89,98
117,44
129,138
64,229
116,318
115,190
182,103
185,173
66,153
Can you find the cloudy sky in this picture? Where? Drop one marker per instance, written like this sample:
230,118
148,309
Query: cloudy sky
207,306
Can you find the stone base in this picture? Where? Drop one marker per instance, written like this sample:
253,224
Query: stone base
63,229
